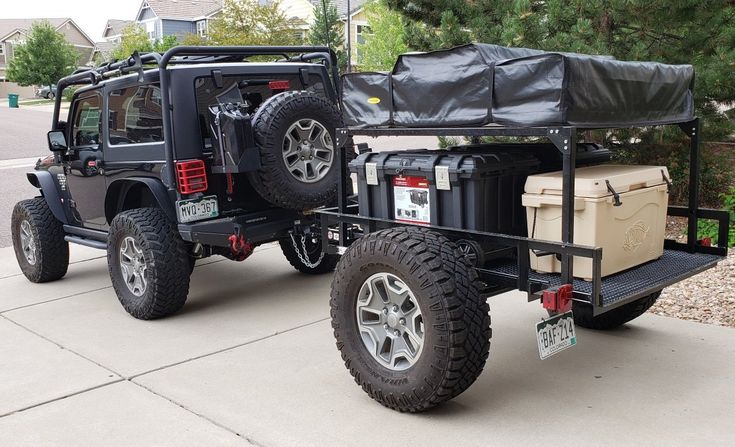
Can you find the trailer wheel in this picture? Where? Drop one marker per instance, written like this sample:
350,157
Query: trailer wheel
295,134
305,255
149,263
38,241
408,317
613,318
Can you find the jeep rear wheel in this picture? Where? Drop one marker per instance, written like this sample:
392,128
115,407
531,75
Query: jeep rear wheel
295,134
149,263
409,319
38,241
304,253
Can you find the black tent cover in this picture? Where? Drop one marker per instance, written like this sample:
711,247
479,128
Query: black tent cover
479,84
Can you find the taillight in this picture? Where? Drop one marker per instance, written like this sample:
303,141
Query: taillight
279,85
191,176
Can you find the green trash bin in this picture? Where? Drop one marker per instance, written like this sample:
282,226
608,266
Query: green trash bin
13,101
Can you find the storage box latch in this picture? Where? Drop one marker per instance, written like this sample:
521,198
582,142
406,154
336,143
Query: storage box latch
441,174
616,196
371,173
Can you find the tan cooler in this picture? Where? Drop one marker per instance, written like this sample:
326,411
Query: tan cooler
629,234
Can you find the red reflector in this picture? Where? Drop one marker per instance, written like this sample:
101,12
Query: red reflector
191,176
707,242
279,85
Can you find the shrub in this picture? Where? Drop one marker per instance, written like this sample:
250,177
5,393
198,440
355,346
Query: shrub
708,228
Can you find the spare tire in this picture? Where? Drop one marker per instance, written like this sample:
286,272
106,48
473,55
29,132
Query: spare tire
295,132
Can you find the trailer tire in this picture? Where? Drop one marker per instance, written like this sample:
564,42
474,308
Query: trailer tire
152,241
38,241
613,318
307,183
316,265
455,318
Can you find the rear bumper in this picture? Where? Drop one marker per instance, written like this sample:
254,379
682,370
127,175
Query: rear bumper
257,227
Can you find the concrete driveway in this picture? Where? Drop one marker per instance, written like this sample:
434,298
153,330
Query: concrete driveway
251,361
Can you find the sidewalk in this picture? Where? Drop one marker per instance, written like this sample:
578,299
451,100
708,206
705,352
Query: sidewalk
251,361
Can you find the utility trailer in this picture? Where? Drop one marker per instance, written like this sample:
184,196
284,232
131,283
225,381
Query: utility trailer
434,301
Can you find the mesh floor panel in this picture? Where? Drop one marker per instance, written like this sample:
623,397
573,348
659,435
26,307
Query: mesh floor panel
671,267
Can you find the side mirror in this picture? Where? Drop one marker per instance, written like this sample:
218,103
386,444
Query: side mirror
57,141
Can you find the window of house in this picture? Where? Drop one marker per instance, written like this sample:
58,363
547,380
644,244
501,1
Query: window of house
135,115
2,48
361,32
86,124
150,28
202,28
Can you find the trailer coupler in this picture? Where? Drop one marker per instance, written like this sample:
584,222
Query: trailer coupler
558,299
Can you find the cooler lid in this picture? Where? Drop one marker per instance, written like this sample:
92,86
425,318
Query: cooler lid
592,181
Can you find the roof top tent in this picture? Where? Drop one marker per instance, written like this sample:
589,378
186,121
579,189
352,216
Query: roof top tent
486,90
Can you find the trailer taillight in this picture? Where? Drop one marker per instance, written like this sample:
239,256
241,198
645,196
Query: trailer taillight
279,85
191,176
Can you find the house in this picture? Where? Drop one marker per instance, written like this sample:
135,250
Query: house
114,29
303,11
177,18
13,31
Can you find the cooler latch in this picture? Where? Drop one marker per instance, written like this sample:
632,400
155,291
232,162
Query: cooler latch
371,173
668,182
616,196
441,174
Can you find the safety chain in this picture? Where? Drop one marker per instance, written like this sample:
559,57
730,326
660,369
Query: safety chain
305,257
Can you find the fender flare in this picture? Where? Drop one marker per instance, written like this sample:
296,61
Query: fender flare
118,190
45,181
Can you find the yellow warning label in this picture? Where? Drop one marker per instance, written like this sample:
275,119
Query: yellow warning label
374,100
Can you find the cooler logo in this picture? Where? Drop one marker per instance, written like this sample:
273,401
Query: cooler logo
374,100
635,235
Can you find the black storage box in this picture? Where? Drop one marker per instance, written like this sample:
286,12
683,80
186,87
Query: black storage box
588,154
233,148
468,189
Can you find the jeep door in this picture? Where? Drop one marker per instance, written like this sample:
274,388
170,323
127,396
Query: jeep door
134,127
85,161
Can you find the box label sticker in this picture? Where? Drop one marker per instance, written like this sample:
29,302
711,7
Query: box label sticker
411,202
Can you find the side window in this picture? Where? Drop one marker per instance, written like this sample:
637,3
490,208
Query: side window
135,115
86,125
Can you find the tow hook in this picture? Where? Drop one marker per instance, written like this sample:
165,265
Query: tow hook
240,248
558,299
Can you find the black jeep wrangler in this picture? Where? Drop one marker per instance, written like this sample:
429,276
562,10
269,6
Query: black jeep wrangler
165,159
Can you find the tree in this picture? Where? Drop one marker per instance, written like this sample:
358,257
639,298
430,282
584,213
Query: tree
134,38
250,22
697,32
327,30
43,59
386,41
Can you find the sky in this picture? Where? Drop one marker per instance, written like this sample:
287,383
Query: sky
90,15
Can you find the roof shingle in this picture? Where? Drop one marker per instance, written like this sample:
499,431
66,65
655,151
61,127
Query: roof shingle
184,9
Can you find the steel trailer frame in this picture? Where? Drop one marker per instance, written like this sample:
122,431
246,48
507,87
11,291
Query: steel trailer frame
680,261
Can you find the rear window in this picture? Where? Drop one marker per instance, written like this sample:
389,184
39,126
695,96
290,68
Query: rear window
135,115
247,89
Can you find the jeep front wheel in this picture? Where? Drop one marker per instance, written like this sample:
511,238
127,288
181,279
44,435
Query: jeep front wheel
148,262
38,241
409,319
